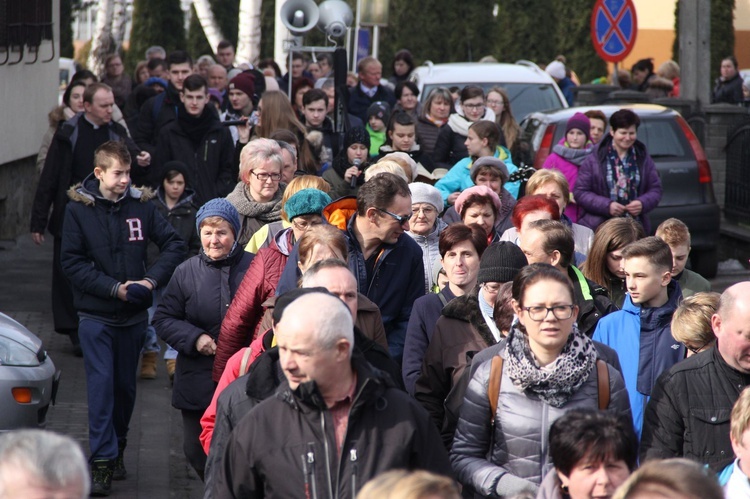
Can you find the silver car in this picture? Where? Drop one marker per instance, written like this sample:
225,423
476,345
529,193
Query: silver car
28,377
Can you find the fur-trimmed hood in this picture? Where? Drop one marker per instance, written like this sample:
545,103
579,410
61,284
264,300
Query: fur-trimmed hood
466,308
87,192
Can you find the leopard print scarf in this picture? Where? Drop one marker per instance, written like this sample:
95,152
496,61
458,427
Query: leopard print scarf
557,382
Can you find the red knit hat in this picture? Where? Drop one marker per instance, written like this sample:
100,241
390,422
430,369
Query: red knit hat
244,82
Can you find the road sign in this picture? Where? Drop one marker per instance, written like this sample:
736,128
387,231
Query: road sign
613,28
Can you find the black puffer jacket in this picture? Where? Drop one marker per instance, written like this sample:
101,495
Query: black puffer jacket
182,218
285,447
688,413
194,303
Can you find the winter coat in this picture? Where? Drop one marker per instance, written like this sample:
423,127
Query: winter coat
503,222
460,332
247,207
155,114
449,146
427,135
582,236
339,187
263,378
643,340
193,304
57,174
566,86
359,101
689,411
729,91
104,244
56,117
241,323
285,447
210,162
658,87
567,161
458,177
182,218
430,250
692,282
424,316
522,422
592,193
416,153
592,300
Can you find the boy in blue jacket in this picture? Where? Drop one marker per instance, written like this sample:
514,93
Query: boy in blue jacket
106,231
640,332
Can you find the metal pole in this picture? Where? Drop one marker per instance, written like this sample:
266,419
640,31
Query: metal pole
289,71
375,40
355,48
616,77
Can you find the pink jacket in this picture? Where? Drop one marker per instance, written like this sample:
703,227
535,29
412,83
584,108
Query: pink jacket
570,170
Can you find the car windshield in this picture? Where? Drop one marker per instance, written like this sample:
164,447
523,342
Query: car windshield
525,98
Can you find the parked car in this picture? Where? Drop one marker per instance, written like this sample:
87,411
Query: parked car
529,88
685,173
28,378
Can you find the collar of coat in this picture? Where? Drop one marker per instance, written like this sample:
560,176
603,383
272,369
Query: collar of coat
466,308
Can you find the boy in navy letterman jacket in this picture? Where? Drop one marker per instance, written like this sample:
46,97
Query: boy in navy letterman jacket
107,227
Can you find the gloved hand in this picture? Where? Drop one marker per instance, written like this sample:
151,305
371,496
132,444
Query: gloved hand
511,485
139,295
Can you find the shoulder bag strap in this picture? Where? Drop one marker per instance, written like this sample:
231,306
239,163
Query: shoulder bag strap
603,377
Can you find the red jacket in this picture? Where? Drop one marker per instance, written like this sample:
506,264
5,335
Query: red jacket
242,320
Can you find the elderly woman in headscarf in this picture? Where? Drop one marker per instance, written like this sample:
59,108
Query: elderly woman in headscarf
190,314
425,225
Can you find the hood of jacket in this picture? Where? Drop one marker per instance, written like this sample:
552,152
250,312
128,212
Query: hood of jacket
339,212
265,375
87,192
185,200
466,308
283,241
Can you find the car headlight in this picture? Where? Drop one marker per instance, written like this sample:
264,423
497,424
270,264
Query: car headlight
13,353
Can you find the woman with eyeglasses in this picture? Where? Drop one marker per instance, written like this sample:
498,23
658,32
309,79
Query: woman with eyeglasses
450,146
546,368
425,225
257,196
242,322
499,102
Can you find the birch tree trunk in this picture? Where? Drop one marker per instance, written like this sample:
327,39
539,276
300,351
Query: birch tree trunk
119,21
248,38
101,40
208,23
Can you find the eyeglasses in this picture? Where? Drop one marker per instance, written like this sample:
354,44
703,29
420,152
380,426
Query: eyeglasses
473,106
401,219
303,225
694,349
426,210
496,102
560,312
263,176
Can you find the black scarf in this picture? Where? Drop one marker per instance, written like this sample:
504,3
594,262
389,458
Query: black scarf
341,164
196,127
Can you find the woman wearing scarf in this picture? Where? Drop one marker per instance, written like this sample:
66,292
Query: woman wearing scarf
568,155
197,139
257,196
547,368
619,179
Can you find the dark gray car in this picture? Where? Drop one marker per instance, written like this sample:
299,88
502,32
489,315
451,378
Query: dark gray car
685,173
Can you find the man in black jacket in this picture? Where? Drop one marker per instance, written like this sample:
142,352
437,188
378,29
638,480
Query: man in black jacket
198,139
689,411
334,424
369,89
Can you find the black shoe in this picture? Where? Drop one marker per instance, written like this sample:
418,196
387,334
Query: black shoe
77,351
101,477
119,472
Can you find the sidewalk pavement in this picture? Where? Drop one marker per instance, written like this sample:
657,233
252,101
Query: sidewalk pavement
154,459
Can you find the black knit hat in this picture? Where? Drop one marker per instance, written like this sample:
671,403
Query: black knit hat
380,109
501,262
357,135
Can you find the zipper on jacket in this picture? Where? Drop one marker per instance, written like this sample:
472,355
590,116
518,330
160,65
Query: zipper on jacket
327,451
205,153
308,469
353,459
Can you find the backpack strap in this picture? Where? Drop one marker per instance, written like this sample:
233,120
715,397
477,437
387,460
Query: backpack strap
493,389
158,102
602,373
245,364
443,300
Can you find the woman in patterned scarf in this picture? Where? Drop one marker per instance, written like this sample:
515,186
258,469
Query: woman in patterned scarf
545,368
619,179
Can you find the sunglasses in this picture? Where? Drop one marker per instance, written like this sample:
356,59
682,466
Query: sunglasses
401,219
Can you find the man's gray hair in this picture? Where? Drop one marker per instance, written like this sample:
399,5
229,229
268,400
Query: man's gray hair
286,146
331,322
309,278
54,460
156,51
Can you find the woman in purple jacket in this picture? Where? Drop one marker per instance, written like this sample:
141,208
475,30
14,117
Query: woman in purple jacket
568,155
619,179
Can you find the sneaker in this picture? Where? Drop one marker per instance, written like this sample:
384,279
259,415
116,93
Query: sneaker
119,472
101,477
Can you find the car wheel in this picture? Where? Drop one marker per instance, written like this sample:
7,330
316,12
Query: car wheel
705,262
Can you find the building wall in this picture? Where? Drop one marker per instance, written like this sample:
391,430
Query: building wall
27,92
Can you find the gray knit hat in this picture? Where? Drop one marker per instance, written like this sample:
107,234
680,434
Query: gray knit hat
492,162
425,193
501,262
219,207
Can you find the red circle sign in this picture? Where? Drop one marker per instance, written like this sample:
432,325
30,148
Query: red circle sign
614,26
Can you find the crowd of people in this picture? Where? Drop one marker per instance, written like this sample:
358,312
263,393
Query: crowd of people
389,306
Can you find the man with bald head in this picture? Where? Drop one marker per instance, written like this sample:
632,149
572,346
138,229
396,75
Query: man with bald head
688,414
217,77
334,423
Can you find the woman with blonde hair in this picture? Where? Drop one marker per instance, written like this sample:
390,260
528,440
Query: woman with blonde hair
691,322
402,484
275,112
433,116
499,102
670,479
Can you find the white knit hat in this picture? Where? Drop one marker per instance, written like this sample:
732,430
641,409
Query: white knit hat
425,193
556,70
